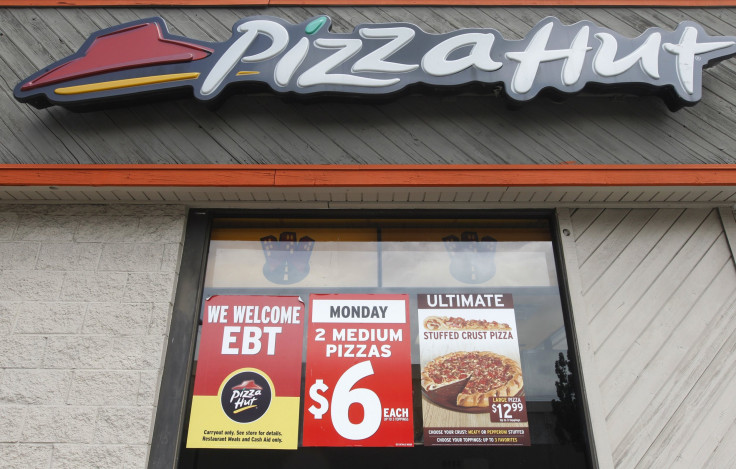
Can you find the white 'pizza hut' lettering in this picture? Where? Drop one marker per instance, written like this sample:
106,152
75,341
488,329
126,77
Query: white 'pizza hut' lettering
350,64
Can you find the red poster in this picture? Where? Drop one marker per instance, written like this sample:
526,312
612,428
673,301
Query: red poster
246,390
358,379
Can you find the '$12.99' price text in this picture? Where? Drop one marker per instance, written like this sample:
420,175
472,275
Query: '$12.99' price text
507,412
343,396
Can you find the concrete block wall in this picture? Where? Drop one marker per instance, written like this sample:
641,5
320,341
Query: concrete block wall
86,294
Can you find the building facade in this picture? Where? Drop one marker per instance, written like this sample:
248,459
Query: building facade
107,219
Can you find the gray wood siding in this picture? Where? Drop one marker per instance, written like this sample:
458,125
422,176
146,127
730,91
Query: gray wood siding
410,130
660,292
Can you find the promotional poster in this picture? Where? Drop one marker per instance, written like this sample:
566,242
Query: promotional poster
471,377
358,379
246,391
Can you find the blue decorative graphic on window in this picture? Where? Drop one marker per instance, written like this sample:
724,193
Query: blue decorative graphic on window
472,260
287,260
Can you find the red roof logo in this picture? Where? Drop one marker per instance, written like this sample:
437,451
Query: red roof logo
131,47
247,384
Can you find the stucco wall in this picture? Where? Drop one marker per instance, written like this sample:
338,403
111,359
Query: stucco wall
85,300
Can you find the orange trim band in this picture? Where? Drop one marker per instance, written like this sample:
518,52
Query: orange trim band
560,3
367,175
193,3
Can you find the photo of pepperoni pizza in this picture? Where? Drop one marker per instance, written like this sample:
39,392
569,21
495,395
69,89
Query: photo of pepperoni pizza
444,323
485,375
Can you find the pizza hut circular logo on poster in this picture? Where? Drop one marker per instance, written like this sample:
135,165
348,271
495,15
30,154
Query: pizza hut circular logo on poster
246,396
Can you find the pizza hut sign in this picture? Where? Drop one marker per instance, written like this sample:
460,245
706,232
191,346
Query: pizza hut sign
135,60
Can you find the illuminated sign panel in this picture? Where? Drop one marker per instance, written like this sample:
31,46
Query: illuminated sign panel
135,60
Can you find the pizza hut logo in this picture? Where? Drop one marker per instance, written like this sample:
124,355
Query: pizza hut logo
141,59
287,260
472,260
246,396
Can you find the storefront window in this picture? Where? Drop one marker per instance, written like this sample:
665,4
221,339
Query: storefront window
382,342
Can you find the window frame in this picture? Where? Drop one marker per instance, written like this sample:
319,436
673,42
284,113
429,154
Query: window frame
172,396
